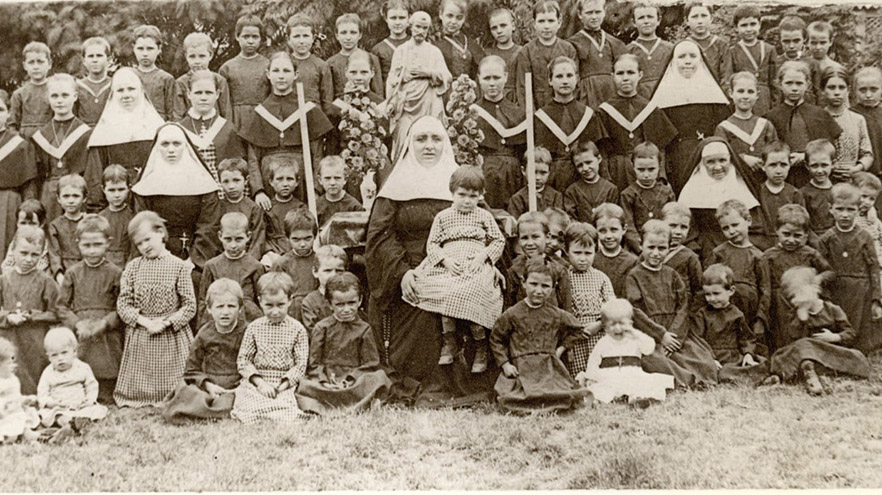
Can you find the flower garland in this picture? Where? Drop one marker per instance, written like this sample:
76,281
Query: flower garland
465,136
361,133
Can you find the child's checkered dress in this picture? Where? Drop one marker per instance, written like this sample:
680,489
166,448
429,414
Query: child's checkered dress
589,290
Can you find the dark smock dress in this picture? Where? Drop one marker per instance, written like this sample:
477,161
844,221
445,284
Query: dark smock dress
192,223
502,164
132,156
570,123
18,181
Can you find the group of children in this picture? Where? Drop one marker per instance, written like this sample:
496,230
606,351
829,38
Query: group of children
606,269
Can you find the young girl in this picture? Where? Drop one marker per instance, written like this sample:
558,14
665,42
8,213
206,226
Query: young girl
536,56
533,240
461,53
818,193
16,418
645,198
747,132
612,259
344,362
18,175
273,356
680,257
583,195
751,54
650,50
156,302
527,342
699,19
67,389
116,183
63,250
330,260
819,335
597,50
854,151
28,299
457,278
614,367
29,212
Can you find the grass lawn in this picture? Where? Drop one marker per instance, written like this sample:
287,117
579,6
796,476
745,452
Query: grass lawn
727,437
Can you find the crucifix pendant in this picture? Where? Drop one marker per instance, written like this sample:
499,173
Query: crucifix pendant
184,241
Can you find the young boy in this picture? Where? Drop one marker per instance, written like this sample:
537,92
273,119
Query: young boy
348,35
852,256
681,258
282,171
199,50
546,196
313,72
699,19
652,51
301,229
597,50
818,192
234,263
332,177
644,199
64,251
532,239
611,258
501,22
747,132
792,34
536,55
750,275
233,176
868,218
87,304
396,14
820,40
582,196
558,221
461,53
247,89
94,89
29,107
115,181
774,193
330,260
751,54
158,84
61,145
867,95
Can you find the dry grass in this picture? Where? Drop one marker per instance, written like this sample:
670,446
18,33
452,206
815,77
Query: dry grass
727,437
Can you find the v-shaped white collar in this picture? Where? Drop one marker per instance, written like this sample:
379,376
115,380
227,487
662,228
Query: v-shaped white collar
61,149
566,139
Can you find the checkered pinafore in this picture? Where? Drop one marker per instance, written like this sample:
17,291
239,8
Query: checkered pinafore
589,290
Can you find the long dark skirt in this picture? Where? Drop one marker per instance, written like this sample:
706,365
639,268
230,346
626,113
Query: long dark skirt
786,360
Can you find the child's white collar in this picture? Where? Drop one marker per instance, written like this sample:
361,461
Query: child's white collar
774,189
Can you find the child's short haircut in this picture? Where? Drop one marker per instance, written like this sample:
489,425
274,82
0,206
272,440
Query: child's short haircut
866,179
248,21
675,209
341,283
545,7
468,178
148,219
718,274
62,78
300,219
115,173
395,4
732,206
348,18
92,223
792,214
845,192
536,264
274,283
745,11
278,161
198,40
609,210
819,147
776,147
30,234
234,220
462,5
7,350
533,218
235,164
491,60
327,253
646,149
148,31
561,60
656,227
331,161
32,208
616,308
580,233
59,338
203,75
741,75
72,180
97,41
791,23
500,11
299,20
821,27
359,55
869,71
37,47
695,5
584,146
629,57
556,215
541,155
224,286
795,66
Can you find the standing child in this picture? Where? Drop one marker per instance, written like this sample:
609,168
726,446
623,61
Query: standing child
868,94
774,193
156,302
233,174
533,239
29,213
852,255
158,84
792,34
273,356
236,264
461,54
820,41
246,90
60,144
501,22
330,260
819,335
211,377
396,15
282,172
16,419
679,256
28,299
527,342
747,133
348,35
597,51
854,151
313,72
94,89
457,278
546,196
818,192
30,107
651,51
199,50
344,371
751,54
646,197
87,304
297,263
18,175
611,258
332,177
537,56
115,181
63,250
699,19
868,218
582,196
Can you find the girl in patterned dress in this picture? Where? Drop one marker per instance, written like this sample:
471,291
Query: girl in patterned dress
156,302
457,279
854,152
273,356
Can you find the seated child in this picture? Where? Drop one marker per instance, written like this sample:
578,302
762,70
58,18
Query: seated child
16,418
118,213
773,194
344,363
644,199
300,228
582,196
532,240
31,213
868,217
63,250
68,390
682,259
273,356
611,258
819,335
457,278
527,342
546,196
232,173
211,376
330,260
614,367
332,177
